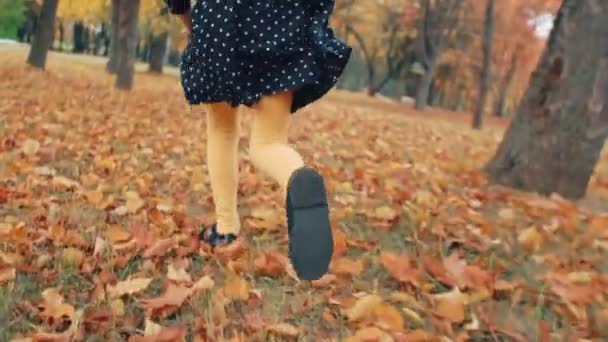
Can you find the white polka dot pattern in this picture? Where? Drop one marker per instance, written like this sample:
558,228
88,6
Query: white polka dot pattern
241,50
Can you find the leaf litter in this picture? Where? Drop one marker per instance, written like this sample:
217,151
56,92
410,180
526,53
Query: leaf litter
110,189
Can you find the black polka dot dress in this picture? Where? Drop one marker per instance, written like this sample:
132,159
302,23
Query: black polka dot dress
242,50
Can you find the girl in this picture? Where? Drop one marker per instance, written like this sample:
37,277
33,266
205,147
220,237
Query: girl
274,56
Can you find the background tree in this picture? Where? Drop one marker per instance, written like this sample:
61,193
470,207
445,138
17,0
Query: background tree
384,43
554,141
127,42
44,34
112,64
486,71
438,22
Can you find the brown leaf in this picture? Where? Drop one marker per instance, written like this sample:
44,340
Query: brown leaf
130,287
363,307
117,235
270,264
400,268
52,306
7,273
283,329
370,334
159,248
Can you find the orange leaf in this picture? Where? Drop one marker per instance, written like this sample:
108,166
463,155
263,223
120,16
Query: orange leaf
270,264
7,274
347,266
400,268
159,248
283,329
236,288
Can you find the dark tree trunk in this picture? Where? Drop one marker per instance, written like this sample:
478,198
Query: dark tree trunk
127,43
503,90
78,37
158,49
486,72
424,87
87,40
44,34
556,137
61,35
112,65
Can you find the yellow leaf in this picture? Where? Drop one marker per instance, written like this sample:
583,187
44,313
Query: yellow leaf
388,317
413,315
72,256
94,196
363,307
151,328
451,305
30,147
530,239
117,234
385,213
118,307
580,277
134,202
236,288
130,286
347,266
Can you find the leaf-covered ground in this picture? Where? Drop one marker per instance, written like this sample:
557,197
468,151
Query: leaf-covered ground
101,194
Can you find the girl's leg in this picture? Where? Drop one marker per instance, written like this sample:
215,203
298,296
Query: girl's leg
223,127
310,237
268,146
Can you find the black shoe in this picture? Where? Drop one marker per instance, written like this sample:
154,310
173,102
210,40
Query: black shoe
215,239
310,237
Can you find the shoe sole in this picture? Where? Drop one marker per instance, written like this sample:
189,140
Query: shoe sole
310,237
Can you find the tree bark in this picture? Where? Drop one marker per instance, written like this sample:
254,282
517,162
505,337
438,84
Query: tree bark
127,43
503,90
44,34
158,49
112,65
555,139
424,87
486,72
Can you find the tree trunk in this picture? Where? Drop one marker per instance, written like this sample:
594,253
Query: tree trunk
61,35
424,87
486,72
127,43
556,137
78,37
503,91
44,34
158,49
114,36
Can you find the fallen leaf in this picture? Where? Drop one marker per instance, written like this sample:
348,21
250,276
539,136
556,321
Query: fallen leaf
531,239
118,307
451,305
130,286
72,256
30,147
283,329
159,248
117,235
347,266
134,202
385,213
52,305
270,264
388,317
363,307
178,275
400,267
7,273
370,334
236,289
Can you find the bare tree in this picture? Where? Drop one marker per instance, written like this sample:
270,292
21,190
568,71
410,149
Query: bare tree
44,34
555,139
486,73
437,25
